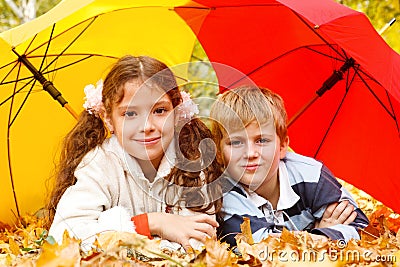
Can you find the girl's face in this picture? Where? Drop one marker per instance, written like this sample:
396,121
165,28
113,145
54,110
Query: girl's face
252,155
143,121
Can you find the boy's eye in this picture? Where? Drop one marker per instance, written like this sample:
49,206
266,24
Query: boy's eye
130,113
160,110
263,140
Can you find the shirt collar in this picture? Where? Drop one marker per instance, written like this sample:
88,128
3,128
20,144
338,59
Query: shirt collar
287,197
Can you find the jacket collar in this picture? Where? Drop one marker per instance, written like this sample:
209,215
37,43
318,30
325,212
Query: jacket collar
131,165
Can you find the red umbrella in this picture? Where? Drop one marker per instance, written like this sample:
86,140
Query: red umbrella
338,77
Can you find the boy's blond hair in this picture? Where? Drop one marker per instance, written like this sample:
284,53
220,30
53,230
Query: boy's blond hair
237,108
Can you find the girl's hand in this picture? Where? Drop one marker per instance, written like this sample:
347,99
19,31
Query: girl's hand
337,213
180,229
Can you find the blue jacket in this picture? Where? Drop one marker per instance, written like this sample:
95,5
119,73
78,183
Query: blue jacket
307,187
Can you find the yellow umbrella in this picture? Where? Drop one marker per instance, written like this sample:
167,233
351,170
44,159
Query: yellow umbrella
72,45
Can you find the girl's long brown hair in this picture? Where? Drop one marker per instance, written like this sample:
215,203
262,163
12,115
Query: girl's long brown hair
90,131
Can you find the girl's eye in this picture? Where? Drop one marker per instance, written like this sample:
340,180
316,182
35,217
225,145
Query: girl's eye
160,110
235,143
130,113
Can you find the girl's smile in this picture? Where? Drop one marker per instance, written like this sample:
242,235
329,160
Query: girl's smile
148,141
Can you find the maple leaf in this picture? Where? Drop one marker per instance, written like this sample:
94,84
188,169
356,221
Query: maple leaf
218,254
67,254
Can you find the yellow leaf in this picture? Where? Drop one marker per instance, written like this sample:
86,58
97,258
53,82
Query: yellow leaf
218,254
67,254
246,230
288,237
13,246
397,257
110,240
6,259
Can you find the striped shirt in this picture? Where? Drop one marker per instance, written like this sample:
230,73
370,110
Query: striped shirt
307,187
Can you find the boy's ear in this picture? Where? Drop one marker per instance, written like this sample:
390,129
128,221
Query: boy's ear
284,147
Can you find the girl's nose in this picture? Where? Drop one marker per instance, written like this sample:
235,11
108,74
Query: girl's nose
148,124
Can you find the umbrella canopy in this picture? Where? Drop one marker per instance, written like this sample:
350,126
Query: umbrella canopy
71,46
339,80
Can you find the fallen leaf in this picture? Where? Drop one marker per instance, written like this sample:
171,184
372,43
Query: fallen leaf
13,246
67,254
218,254
245,227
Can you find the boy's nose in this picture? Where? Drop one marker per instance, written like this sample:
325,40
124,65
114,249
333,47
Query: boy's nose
252,152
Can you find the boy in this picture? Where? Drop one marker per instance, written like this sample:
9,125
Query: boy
266,183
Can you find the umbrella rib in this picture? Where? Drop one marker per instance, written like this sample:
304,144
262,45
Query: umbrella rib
368,75
73,41
70,64
31,77
361,70
74,54
221,7
47,48
316,33
334,117
326,55
23,102
18,91
30,43
9,146
5,77
272,60
72,27
375,96
394,114
17,80
14,81
61,33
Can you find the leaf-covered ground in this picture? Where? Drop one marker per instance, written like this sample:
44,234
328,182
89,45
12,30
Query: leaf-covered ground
27,244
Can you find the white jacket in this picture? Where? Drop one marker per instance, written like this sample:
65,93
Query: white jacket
110,189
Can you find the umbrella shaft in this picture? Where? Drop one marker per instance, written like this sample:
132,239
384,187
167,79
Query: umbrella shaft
47,85
336,76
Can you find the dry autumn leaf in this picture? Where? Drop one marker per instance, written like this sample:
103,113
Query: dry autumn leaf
218,254
246,231
27,244
13,246
67,254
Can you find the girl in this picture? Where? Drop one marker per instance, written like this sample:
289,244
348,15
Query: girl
148,172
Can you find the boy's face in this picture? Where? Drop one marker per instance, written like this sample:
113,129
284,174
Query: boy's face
252,155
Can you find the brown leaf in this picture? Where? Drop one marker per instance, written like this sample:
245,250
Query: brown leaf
369,233
4,226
